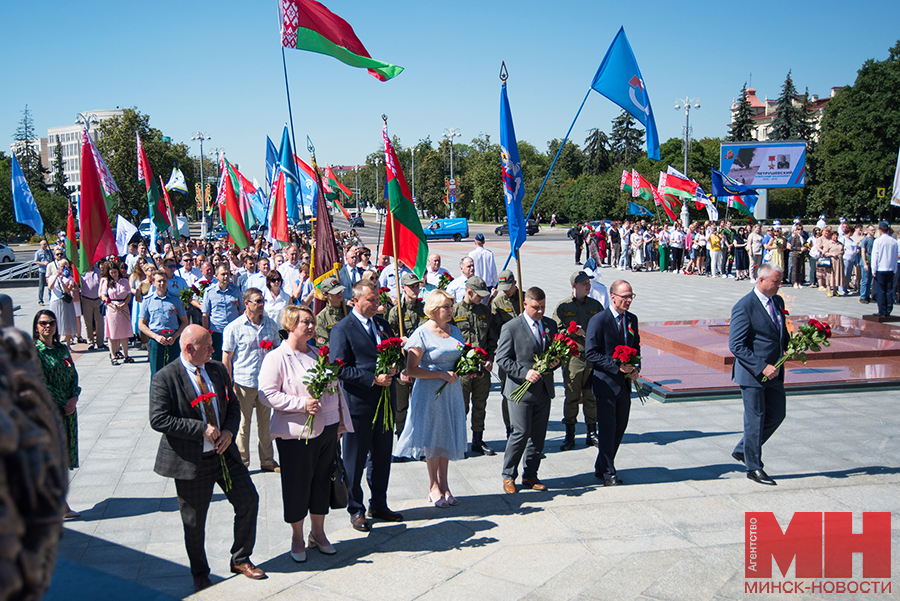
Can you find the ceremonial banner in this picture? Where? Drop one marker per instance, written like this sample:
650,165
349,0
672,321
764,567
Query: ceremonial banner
513,184
155,207
23,202
97,239
405,227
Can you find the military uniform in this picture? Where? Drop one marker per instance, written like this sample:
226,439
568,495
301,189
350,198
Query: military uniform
413,316
326,319
577,372
505,308
477,325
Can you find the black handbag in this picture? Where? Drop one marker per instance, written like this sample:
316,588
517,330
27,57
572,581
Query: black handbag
824,262
67,298
340,488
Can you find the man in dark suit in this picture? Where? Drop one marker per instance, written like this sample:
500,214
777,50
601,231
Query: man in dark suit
611,382
354,340
758,338
521,339
194,440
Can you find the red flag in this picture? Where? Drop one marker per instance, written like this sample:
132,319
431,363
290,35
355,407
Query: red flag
278,224
404,224
72,245
169,213
96,235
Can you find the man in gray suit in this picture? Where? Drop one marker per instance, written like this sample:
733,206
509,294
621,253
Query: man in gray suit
521,339
193,443
758,338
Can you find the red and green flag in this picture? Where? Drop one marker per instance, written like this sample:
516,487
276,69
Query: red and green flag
641,188
625,185
170,209
234,220
673,185
155,205
72,246
744,204
308,25
97,238
278,223
331,180
403,226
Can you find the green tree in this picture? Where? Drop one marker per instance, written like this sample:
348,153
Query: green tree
790,120
741,129
118,147
596,152
484,173
857,149
59,171
52,208
28,155
626,140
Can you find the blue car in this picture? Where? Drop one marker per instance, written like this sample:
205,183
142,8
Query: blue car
448,228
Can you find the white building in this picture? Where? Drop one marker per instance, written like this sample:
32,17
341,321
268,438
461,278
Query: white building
70,138
763,112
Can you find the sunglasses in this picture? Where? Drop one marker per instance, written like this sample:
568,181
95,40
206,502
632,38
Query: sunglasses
46,324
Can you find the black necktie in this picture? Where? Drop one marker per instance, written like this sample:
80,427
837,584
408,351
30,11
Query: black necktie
372,332
622,328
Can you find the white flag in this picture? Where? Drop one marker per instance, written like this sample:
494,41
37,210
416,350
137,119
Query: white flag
176,181
125,231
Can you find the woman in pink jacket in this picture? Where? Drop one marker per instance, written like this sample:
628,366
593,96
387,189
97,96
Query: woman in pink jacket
306,454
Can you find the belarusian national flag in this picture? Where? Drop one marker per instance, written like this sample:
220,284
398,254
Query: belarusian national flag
404,224
170,210
234,221
744,204
72,245
106,178
331,179
307,25
678,186
640,187
155,207
625,185
278,223
97,239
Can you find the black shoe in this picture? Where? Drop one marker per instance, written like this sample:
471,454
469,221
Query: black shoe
385,514
569,442
92,346
761,477
399,459
201,582
864,301
613,480
592,440
738,456
481,448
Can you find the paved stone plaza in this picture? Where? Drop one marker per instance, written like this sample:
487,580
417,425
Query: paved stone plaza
675,531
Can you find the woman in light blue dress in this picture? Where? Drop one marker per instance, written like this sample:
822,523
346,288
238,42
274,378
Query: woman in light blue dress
436,424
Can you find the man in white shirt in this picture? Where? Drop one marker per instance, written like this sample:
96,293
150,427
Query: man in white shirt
290,271
884,263
434,271
258,279
458,286
188,271
388,277
485,267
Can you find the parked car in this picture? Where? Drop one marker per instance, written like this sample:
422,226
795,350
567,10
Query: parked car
6,254
356,220
448,228
531,228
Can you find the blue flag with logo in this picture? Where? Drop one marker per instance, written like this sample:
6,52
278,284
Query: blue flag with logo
636,209
23,202
289,167
620,80
513,184
722,185
271,163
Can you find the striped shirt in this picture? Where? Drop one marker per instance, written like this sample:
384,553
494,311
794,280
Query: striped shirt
242,337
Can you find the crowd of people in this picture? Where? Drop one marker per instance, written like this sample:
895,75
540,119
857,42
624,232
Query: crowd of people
836,260
232,331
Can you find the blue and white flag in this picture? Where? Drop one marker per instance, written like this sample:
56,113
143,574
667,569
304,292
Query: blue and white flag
23,202
176,181
271,164
722,185
289,167
620,80
513,183
636,209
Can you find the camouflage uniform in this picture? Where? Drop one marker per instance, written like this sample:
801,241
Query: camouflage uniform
577,371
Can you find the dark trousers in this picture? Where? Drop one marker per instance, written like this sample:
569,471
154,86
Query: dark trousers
94,326
161,355
364,442
193,314
403,390
42,282
193,501
306,473
505,402
217,345
529,430
677,259
578,253
612,420
764,410
884,291
476,389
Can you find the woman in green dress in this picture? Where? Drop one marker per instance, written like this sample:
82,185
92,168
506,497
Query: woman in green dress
61,379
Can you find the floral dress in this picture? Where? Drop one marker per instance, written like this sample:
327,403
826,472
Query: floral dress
61,380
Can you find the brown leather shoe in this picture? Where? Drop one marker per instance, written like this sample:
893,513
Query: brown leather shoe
270,467
201,582
359,522
533,484
249,570
509,487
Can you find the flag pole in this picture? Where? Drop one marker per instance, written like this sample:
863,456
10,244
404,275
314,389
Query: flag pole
549,171
394,249
287,89
519,271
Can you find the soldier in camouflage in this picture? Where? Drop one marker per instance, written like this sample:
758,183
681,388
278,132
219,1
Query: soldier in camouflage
334,310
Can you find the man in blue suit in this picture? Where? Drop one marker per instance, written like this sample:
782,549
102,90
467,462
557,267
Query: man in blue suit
611,383
758,338
354,340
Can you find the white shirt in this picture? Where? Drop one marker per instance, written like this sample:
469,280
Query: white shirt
485,267
434,277
189,276
367,323
289,274
192,371
884,253
255,280
537,329
458,288
274,304
388,278
600,293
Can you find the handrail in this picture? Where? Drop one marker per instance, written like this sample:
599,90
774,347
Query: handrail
24,270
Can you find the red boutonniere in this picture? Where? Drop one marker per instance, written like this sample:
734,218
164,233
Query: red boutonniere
784,311
266,345
210,331
67,362
203,398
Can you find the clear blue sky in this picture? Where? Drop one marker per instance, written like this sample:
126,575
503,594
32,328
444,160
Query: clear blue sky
216,66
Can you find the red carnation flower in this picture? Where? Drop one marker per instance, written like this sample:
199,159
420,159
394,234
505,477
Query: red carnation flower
323,351
481,352
573,327
266,345
384,289
203,398
339,362
784,311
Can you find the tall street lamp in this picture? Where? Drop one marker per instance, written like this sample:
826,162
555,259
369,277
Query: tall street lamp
199,135
686,103
451,133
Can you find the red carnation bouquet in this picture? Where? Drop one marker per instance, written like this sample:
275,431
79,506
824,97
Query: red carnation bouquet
319,380
470,361
811,336
390,355
572,329
559,349
206,400
384,297
627,355
266,345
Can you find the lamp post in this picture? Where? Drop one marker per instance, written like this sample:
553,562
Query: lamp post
378,194
451,133
87,119
199,135
686,103
413,151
